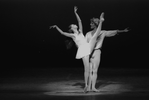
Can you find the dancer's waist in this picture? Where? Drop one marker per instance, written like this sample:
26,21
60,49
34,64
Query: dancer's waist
97,48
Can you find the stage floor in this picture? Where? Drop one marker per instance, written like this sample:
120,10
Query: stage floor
62,84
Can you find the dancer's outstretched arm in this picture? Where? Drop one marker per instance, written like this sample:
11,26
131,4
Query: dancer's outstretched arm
125,30
63,33
114,32
79,20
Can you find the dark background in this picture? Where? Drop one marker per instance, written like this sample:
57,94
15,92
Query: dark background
29,43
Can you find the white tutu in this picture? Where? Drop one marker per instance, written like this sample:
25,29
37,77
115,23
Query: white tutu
83,46
83,50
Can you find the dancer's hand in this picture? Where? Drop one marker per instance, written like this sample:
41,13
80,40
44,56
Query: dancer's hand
75,9
53,26
125,30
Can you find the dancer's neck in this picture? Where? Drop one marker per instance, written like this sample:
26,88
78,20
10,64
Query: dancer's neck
94,30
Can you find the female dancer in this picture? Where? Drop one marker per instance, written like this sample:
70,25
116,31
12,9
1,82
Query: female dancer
96,53
84,47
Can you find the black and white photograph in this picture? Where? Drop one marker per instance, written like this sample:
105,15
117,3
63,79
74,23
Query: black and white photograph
74,50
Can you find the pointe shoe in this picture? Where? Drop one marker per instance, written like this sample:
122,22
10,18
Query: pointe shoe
85,90
95,90
101,17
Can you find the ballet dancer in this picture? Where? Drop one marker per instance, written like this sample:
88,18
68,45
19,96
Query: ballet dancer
84,47
95,56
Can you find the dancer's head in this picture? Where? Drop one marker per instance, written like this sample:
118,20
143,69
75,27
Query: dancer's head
94,23
73,28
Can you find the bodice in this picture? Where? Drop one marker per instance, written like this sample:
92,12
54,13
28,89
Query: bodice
80,39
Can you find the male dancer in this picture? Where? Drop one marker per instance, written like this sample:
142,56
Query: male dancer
96,53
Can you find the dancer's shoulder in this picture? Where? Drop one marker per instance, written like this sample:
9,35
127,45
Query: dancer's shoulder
89,32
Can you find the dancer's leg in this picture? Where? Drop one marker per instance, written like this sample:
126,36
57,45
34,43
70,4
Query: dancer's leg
90,77
86,70
96,34
95,60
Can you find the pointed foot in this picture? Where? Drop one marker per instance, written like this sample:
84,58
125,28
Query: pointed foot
86,90
95,90
102,17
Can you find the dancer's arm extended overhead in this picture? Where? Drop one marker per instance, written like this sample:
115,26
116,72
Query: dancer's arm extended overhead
79,20
63,33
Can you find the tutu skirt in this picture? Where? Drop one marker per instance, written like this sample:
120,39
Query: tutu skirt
83,50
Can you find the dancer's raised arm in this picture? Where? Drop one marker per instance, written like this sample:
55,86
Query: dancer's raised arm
114,32
79,20
63,33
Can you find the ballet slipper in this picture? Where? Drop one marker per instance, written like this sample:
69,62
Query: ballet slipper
95,90
101,17
86,89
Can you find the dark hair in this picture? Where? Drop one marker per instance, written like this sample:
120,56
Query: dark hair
95,21
70,30
69,43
